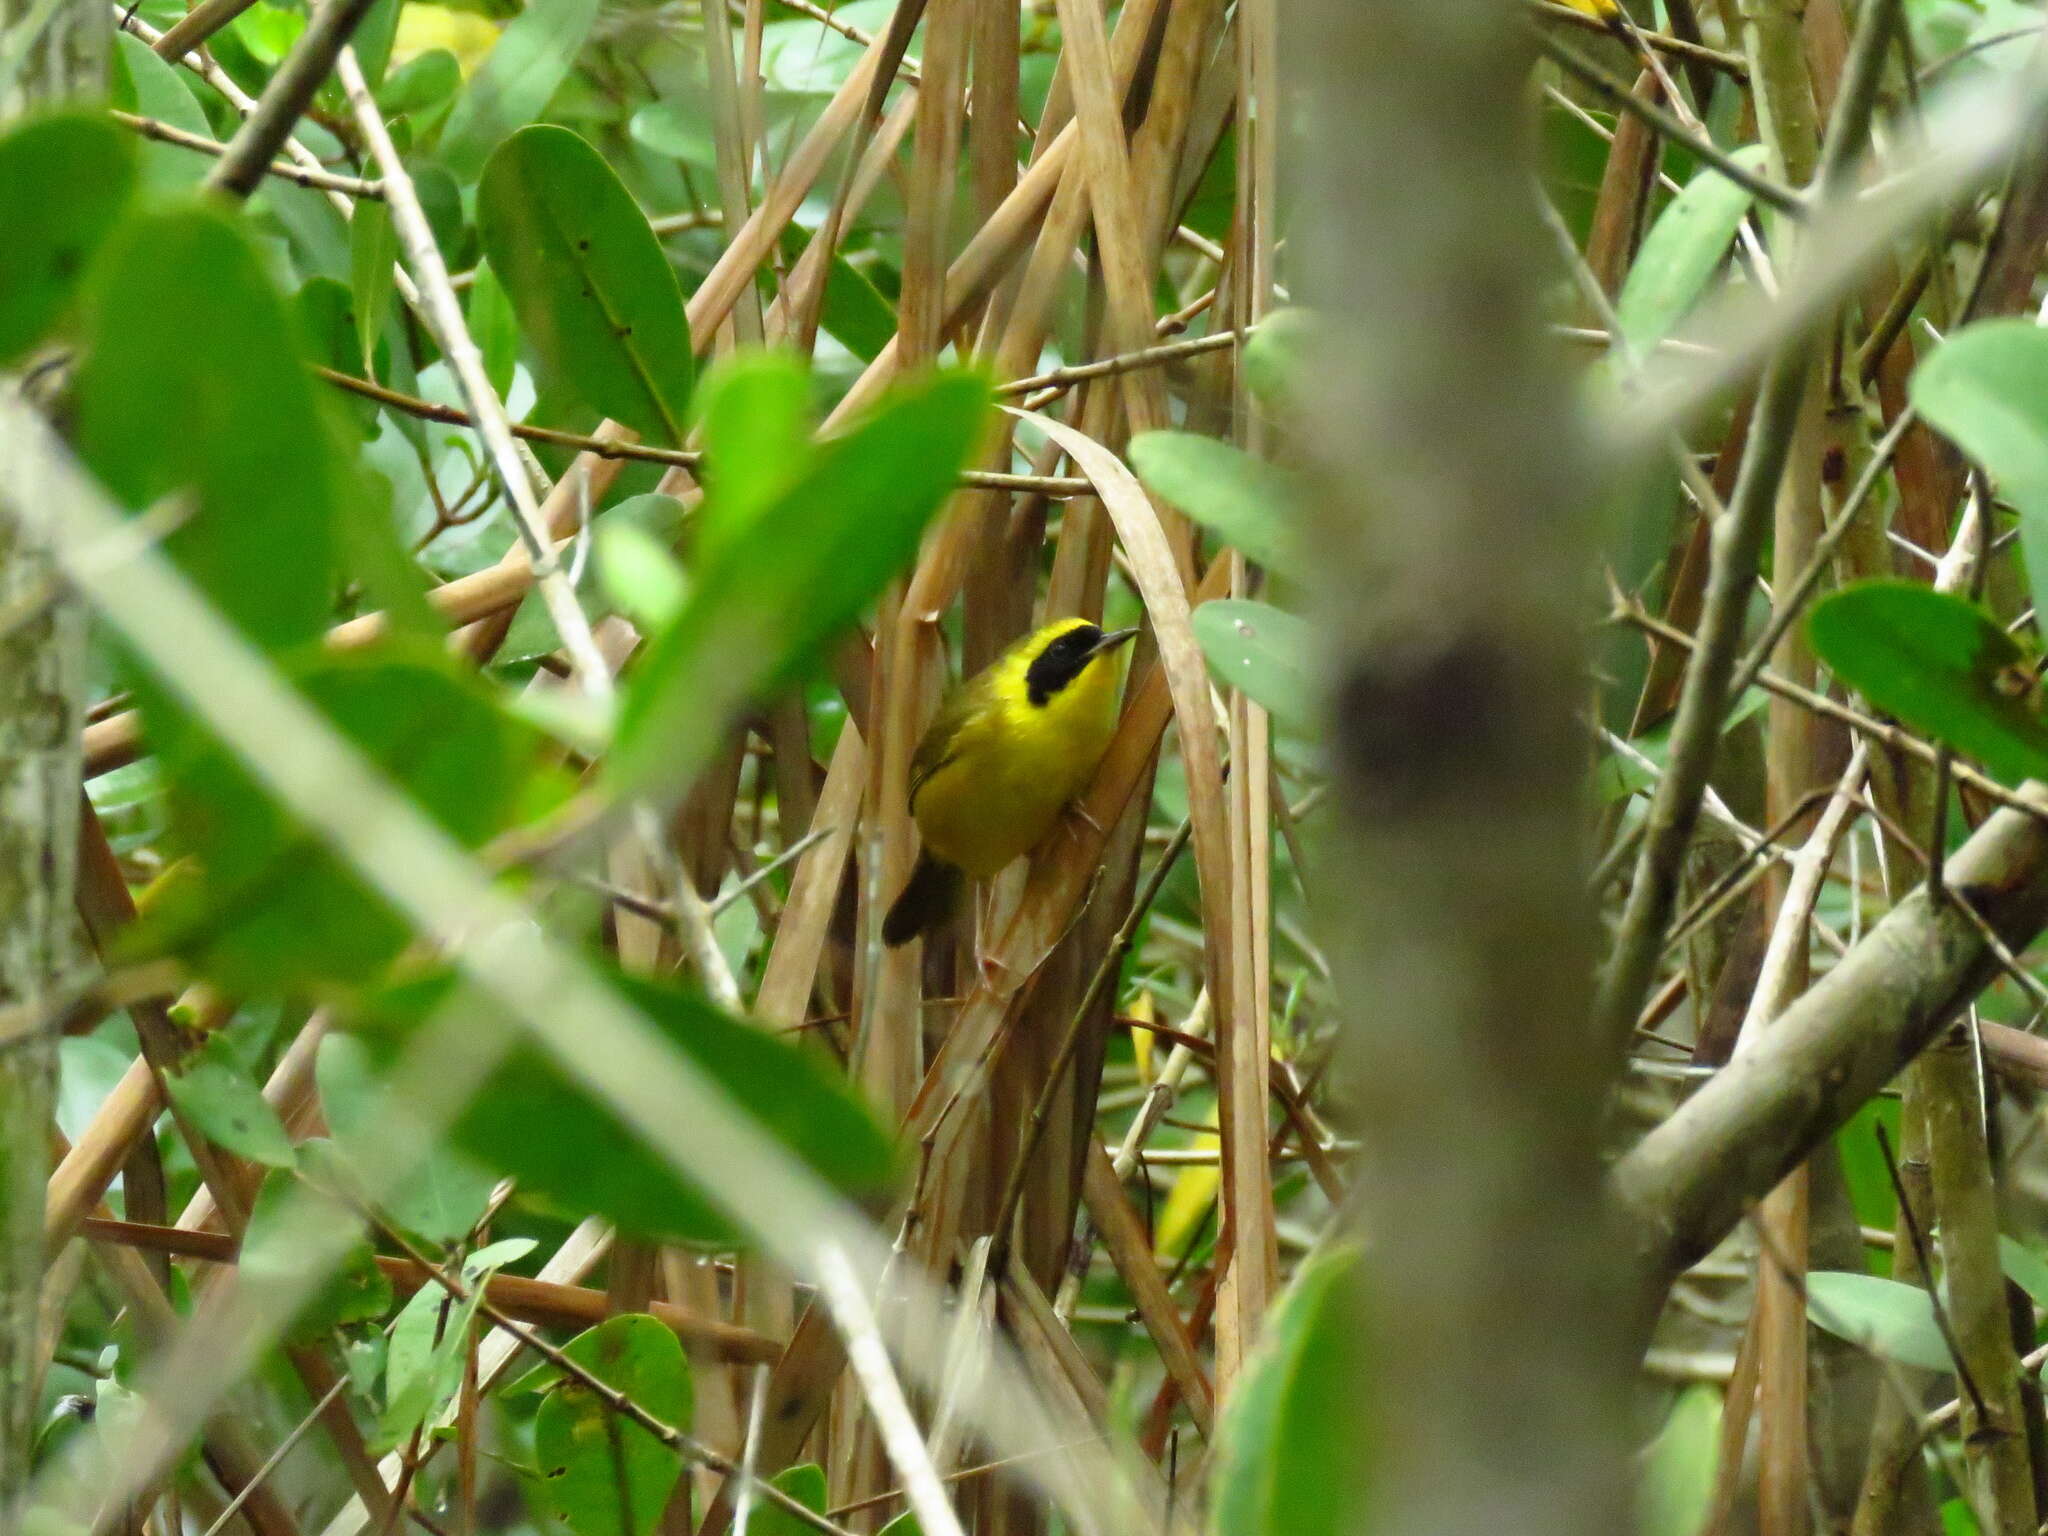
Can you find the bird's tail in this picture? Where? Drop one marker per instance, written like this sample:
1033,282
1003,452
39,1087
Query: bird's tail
927,899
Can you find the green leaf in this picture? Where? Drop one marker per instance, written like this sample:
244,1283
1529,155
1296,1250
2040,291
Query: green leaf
604,1474
441,1193
592,1161
1682,251
494,327
1287,1453
1982,389
1250,504
212,1090
756,416
1281,352
594,293
1678,1473
805,1484
1886,1317
63,181
141,82
192,381
1939,664
759,613
532,57
2025,1269
420,83
1264,652
423,1367
372,248
290,1217
275,909
641,576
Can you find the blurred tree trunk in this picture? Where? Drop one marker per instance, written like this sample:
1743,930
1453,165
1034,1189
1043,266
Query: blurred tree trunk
1454,533
57,52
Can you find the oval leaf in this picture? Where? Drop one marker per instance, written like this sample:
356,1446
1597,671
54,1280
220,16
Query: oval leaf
1886,1317
1249,504
63,181
1287,1452
595,296
1939,664
531,58
592,1161
1682,251
1983,390
222,1100
1263,652
605,1474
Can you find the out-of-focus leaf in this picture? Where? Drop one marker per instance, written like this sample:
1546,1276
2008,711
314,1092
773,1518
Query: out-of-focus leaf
1682,251
1885,1317
276,910
756,415
192,382
759,614
604,1474
1678,1474
63,181
442,1193
2025,1269
290,1217
373,247
420,83
1982,389
591,1161
327,327
532,57
1941,665
1287,1452
494,327
215,1093
1281,353
141,82
632,552
595,296
805,1484
1262,651
1248,503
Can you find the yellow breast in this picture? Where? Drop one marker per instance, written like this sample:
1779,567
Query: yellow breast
1014,765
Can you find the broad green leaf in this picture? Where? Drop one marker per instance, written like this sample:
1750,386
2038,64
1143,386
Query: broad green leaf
1281,353
1863,1163
604,1474
805,1484
441,1193
494,327
904,1524
1678,1474
1958,1519
275,909
373,247
290,1217
532,57
214,1092
2025,1269
594,293
1262,651
644,580
372,41
756,416
192,381
1982,389
758,614
592,1161
1941,665
1682,251
420,84
1886,1317
141,82
63,183
1287,1452
1250,504
268,31
327,329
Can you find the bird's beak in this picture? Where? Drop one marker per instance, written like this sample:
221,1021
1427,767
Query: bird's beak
1112,640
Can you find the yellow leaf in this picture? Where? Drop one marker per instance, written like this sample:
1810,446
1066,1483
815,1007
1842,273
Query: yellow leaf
1193,1193
463,33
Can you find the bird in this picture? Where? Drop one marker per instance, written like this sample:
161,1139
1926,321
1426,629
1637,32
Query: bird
1006,753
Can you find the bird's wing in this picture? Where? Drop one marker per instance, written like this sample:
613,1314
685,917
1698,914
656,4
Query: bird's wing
941,742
